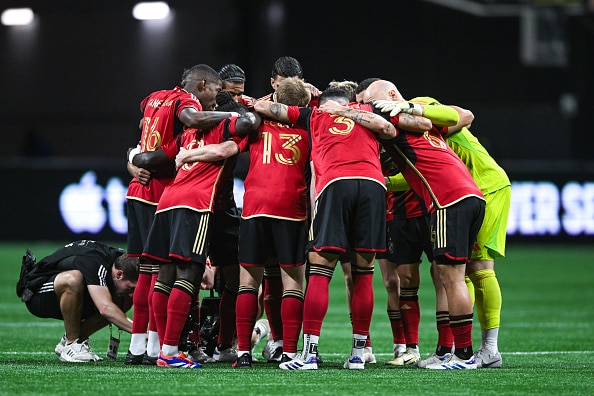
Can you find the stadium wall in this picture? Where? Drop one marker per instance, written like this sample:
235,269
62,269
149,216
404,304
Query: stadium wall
67,199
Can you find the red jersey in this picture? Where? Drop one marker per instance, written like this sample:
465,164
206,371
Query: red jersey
196,184
275,184
161,125
341,148
431,168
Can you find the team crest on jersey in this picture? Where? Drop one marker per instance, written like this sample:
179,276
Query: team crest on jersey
435,141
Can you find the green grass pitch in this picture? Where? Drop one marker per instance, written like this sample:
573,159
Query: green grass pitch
546,339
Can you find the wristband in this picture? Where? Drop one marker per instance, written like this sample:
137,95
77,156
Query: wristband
133,152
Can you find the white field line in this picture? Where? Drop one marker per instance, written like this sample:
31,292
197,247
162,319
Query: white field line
7,353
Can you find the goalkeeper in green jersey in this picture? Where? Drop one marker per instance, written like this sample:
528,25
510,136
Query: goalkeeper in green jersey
490,243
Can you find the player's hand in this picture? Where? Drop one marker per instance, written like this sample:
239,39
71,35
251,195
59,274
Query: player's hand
313,90
140,174
180,158
395,107
248,101
208,278
391,106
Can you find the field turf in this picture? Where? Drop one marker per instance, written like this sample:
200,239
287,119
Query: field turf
546,340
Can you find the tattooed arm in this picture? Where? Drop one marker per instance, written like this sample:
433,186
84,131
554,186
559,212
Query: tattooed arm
413,123
268,109
375,123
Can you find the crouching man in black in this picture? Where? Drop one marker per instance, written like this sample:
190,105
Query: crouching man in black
86,284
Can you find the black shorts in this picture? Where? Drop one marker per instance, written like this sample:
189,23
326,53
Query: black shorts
181,234
407,239
264,237
45,304
454,230
224,239
350,213
348,257
140,218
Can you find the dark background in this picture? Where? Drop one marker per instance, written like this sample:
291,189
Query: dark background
75,79
71,83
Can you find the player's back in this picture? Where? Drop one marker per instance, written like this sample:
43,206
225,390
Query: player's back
342,149
431,168
275,184
485,171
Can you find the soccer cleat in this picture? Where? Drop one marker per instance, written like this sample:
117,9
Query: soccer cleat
285,358
268,348
486,359
410,356
272,353
276,355
319,358
262,329
454,363
368,355
79,351
149,360
179,361
133,360
60,346
354,363
199,355
432,359
297,364
226,355
244,361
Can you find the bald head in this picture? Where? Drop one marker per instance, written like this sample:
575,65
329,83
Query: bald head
381,90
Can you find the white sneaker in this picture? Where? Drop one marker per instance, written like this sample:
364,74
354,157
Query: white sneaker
272,353
454,363
60,346
226,355
262,329
368,356
354,363
297,364
410,356
432,359
78,351
485,359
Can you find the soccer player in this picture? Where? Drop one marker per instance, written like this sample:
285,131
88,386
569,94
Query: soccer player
348,175
347,258
451,197
284,67
407,238
490,241
274,222
179,235
165,114
234,79
362,86
405,241
86,284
